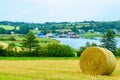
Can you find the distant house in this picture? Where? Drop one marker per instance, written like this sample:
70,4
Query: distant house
40,35
49,35
116,32
91,30
62,36
81,31
73,35
36,28
12,32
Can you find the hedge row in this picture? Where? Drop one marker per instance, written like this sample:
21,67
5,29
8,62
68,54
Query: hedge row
50,50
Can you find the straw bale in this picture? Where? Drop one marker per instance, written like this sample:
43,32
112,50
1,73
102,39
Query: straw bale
3,45
97,61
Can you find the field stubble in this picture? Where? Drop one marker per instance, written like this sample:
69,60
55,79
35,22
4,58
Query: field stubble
49,70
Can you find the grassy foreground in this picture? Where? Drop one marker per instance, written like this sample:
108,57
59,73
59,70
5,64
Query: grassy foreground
66,69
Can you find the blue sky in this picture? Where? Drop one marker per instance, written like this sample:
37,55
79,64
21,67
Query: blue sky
59,10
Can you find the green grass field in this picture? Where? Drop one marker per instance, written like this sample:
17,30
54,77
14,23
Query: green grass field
7,27
12,68
90,35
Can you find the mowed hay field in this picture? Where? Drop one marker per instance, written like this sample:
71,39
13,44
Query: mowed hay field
49,70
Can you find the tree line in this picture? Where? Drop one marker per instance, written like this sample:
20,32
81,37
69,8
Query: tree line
74,26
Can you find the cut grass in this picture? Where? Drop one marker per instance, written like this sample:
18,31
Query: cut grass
49,70
39,58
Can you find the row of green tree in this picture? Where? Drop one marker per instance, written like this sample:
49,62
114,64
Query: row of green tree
74,26
50,50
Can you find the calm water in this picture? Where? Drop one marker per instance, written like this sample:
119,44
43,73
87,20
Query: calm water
76,43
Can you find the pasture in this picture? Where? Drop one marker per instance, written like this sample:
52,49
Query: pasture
48,69
8,27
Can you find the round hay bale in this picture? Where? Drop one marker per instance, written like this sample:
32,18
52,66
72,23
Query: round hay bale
97,61
3,45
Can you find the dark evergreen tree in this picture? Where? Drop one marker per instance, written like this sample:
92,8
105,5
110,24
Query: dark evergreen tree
108,41
74,29
2,30
30,41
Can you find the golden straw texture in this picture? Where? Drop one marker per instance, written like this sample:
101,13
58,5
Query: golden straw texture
3,45
97,61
